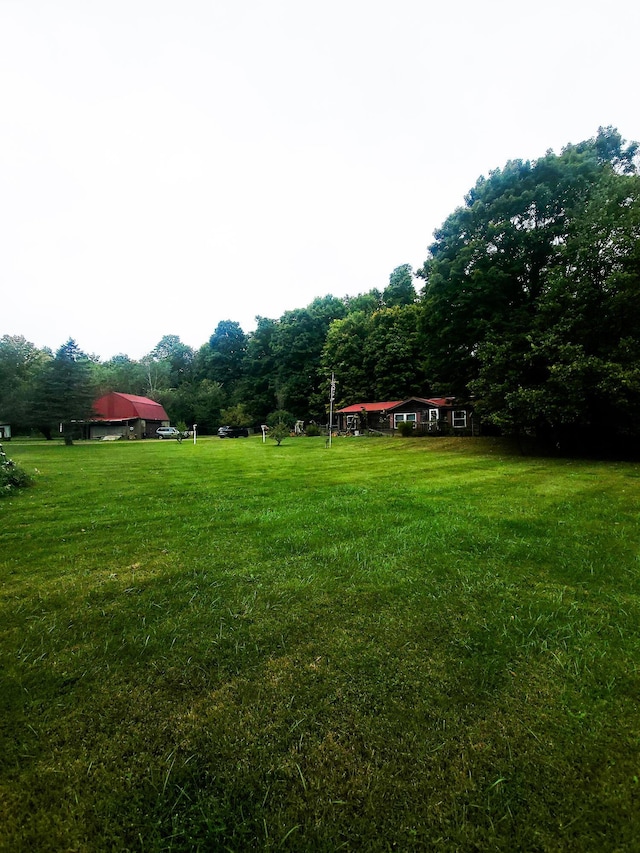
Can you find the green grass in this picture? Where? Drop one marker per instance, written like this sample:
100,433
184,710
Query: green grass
387,645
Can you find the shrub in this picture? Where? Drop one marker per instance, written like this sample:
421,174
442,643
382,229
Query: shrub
278,432
12,477
405,428
313,429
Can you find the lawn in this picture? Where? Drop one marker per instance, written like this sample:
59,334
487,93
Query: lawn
389,644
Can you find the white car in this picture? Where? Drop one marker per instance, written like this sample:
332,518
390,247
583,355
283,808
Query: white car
168,432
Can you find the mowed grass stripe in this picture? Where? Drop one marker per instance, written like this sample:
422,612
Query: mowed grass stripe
389,644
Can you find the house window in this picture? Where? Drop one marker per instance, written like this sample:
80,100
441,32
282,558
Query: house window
433,416
459,419
404,416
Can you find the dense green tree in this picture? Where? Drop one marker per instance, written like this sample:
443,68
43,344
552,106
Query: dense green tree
122,374
257,388
178,403
20,364
376,357
177,357
400,290
344,353
531,293
169,364
235,416
64,393
297,345
156,375
366,303
575,374
222,359
195,403
394,353
484,270
208,400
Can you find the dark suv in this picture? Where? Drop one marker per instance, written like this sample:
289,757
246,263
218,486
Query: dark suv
233,432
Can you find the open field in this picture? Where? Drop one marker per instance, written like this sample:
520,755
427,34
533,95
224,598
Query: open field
389,645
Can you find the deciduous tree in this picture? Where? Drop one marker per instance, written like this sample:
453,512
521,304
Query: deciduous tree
531,296
400,290
20,364
222,359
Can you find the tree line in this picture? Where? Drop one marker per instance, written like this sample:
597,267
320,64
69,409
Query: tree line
528,305
233,377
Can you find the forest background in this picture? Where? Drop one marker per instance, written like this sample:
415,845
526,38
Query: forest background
528,306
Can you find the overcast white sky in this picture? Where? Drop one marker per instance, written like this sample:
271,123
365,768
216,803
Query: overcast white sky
166,165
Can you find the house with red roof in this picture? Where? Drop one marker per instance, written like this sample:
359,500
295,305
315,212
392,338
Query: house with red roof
360,417
432,414
125,416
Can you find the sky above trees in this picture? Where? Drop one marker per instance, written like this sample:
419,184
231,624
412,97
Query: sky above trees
165,167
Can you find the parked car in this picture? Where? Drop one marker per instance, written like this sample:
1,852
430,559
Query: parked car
168,432
233,432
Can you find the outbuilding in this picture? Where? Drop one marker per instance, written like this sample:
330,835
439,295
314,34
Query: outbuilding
125,416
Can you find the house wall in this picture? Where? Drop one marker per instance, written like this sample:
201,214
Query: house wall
423,421
374,420
420,410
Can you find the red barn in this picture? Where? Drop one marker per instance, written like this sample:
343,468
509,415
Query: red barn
126,416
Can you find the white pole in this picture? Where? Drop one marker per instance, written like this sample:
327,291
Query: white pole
195,432
333,394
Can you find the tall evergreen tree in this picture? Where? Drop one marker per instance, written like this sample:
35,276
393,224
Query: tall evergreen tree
64,393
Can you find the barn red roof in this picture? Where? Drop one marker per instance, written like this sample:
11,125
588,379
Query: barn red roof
122,407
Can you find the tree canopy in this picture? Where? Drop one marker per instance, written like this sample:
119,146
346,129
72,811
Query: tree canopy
531,295
400,290
20,366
